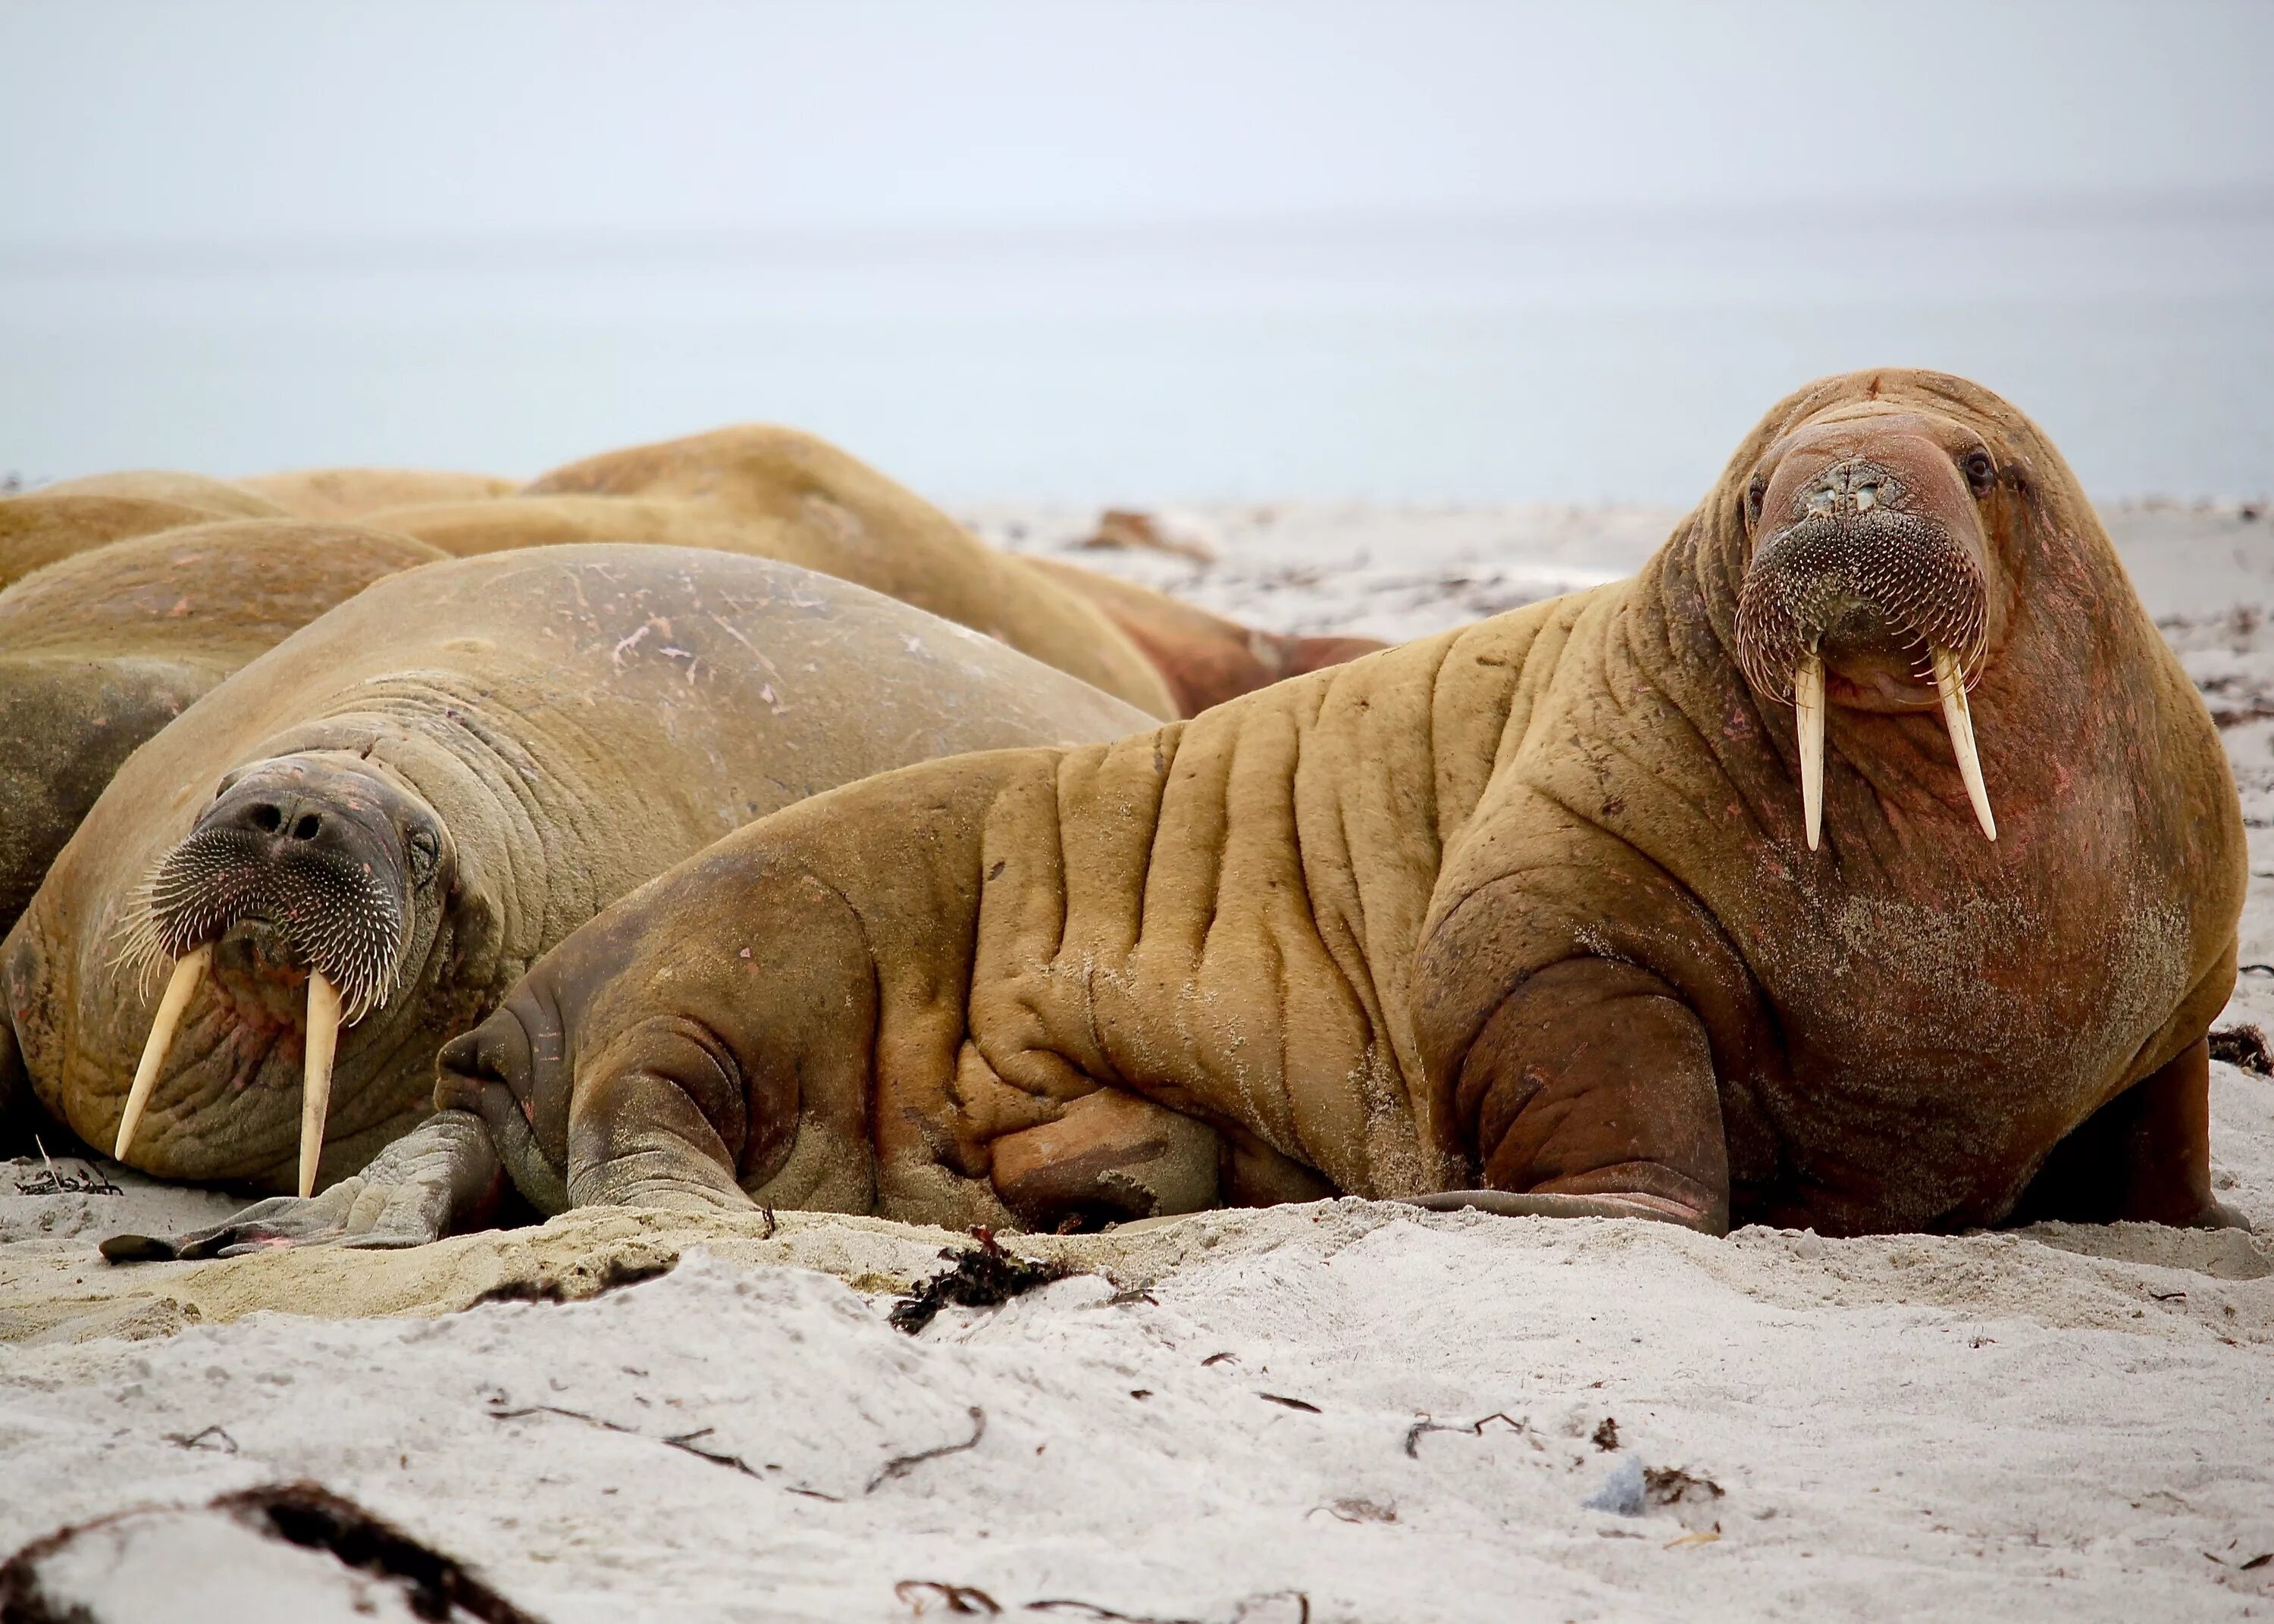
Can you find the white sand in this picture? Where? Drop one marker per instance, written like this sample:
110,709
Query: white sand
2060,1422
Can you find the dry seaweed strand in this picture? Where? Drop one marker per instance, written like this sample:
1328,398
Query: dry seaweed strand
902,1465
1475,1429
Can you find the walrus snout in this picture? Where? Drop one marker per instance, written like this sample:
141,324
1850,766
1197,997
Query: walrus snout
308,862
1869,585
327,853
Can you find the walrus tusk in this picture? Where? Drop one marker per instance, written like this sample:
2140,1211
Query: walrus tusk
179,986
316,1077
1808,702
1950,682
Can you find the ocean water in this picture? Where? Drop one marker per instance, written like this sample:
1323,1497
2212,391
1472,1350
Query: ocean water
1579,359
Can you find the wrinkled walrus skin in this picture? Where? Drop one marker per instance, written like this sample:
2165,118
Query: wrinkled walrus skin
488,750
101,650
1530,906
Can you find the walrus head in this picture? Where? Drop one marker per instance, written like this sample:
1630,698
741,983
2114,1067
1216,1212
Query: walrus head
307,884
1873,582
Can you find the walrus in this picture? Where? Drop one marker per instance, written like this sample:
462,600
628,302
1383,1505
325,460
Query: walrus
364,836
340,494
1866,864
781,494
57,521
99,651
1204,658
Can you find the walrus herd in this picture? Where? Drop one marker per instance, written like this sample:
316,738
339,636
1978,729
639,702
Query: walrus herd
1865,863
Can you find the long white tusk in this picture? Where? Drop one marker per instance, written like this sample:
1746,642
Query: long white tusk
1808,701
1950,682
179,986
316,1077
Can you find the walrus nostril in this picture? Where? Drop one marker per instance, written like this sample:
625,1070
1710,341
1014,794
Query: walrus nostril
306,828
265,818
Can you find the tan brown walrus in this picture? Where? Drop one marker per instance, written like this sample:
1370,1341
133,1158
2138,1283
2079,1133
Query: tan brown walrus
101,650
57,521
781,494
776,493
339,494
368,834
1575,906
773,492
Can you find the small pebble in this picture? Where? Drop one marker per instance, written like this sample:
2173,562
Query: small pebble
1622,1491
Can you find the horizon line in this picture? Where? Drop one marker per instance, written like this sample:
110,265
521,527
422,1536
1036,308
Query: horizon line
590,243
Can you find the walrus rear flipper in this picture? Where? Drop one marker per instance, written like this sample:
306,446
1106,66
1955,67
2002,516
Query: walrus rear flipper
1110,1157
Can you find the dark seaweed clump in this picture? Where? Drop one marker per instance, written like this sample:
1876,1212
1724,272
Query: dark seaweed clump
2244,1047
433,1585
984,1276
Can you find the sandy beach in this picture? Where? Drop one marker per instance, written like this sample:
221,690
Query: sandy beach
1348,1412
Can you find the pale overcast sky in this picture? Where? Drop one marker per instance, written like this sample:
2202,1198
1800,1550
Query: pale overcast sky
247,120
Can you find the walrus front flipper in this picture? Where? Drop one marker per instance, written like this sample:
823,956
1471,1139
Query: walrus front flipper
1593,1083
2144,1157
441,1178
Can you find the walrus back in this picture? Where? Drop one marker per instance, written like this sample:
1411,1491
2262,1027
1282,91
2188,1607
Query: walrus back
810,501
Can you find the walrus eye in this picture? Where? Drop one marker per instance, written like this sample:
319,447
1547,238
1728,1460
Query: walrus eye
1755,494
1981,473
424,849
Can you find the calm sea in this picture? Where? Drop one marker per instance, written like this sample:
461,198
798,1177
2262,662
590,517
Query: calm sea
1415,360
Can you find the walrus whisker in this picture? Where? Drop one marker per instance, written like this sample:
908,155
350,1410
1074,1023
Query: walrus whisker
1808,704
1950,682
316,1075
187,973
139,950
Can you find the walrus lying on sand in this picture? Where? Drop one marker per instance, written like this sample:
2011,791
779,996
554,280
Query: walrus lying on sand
780,493
338,494
368,834
755,489
1867,863
57,521
100,652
